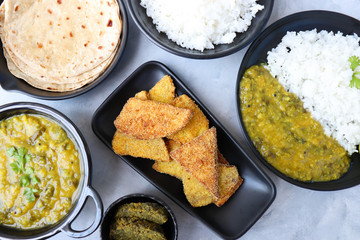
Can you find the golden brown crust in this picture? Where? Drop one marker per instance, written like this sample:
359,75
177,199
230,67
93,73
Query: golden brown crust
147,119
197,124
195,192
144,95
163,91
199,158
154,149
229,182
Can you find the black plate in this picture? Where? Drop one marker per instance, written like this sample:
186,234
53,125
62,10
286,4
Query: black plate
10,83
242,210
146,25
270,38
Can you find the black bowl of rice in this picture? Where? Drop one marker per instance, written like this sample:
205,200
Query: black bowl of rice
202,31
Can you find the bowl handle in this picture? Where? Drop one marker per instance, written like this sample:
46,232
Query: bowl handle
99,213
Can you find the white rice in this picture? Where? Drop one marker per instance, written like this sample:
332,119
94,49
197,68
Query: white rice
199,24
317,70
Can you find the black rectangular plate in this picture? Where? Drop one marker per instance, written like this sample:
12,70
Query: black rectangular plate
242,210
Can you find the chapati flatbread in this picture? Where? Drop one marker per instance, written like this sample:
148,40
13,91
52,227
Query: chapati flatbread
59,45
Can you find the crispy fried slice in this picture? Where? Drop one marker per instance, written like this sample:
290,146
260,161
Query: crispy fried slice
146,119
197,125
163,91
229,182
142,95
173,168
153,149
199,196
199,158
195,192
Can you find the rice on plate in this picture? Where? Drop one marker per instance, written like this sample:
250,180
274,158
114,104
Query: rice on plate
315,66
205,23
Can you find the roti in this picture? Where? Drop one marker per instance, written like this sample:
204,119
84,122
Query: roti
59,45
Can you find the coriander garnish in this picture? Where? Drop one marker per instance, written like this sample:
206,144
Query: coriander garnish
354,63
28,174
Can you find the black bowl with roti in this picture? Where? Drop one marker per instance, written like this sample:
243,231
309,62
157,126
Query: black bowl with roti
90,55
84,188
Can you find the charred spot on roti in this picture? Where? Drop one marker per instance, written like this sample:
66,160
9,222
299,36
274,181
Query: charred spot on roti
110,23
83,26
71,34
16,8
79,7
49,11
59,1
40,45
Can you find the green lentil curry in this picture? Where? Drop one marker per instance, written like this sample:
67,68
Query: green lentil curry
285,133
39,171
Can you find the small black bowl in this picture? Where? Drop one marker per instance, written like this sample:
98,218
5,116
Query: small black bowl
11,83
146,25
170,227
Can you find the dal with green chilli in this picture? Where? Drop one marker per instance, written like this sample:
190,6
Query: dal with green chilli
37,191
284,132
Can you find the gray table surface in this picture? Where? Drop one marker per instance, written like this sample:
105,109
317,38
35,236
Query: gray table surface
296,213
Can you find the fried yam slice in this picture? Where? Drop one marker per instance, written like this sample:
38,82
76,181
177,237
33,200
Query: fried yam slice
173,168
154,149
199,196
163,91
199,158
195,192
144,95
229,182
197,124
146,119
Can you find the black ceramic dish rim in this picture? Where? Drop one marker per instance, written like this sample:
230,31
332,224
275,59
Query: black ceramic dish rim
191,94
63,224
198,55
48,95
120,201
307,185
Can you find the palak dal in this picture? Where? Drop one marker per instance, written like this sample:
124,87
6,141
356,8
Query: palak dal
39,171
285,133
59,45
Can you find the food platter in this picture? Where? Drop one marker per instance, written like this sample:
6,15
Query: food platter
11,83
242,210
257,54
146,25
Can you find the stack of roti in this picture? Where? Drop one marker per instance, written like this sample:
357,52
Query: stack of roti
59,45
